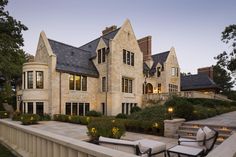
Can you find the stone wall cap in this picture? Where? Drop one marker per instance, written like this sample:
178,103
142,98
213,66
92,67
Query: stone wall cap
175,120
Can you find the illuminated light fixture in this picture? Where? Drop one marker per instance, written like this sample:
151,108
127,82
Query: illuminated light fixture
170,111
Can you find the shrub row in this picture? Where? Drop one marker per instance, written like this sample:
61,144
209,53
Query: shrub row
28,119
4,114
199,108
150,127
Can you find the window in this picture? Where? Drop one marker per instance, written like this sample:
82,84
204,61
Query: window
158,71
30,79
74,108
159,88
174,71
39,79
86,108
104,84
81,109
77,82
71,82
68,108
124,56
126,107
173,88
128,57
103,108
132,59
39,108
127,85
101,55
24,81
30,108
84,83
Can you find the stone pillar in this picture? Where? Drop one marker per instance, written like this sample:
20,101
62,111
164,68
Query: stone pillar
171,127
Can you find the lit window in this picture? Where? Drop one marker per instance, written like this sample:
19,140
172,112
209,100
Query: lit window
39,79
78,82
71,82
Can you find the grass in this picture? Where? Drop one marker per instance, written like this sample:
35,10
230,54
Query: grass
4,152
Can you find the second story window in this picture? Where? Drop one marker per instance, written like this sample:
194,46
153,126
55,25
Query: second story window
101,55
30,79
103,84
128,57
78,82
39,79
174,71
127,85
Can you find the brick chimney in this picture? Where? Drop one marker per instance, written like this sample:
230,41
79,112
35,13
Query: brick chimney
109,29
145,45
206,70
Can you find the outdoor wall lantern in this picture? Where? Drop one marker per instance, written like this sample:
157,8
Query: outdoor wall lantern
170,111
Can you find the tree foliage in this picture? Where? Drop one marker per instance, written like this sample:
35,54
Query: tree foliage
228,59
222,78
12,56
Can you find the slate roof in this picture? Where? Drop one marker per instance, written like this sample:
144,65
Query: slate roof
158,58
76,60
92,45
73,60
197,81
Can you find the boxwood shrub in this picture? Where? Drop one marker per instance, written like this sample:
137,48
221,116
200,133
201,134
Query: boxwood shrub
28,119
93,113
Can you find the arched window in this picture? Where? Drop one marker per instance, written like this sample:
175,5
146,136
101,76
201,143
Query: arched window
149,88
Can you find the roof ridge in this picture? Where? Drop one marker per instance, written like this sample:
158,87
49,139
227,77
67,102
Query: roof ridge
102,36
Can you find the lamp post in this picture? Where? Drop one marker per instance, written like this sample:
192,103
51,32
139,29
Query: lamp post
170,111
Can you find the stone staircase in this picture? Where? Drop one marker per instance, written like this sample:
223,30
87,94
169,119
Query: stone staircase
189,130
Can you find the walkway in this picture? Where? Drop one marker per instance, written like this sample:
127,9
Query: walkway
227,119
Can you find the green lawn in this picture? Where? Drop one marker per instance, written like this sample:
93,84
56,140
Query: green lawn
4,152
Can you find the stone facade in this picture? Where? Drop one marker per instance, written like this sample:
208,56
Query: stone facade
56,92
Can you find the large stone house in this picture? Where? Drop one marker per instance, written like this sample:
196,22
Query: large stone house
110,74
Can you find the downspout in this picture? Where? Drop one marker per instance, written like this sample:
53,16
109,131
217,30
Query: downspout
60,94
107,51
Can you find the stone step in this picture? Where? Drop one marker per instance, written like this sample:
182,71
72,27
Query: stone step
197,125
220,130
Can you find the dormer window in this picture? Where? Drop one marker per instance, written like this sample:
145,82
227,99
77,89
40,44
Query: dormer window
101,55
158,71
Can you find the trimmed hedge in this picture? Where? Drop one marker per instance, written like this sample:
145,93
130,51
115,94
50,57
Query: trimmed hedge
199,108
93,113
4,114
121,116
29,119
105,127
150,127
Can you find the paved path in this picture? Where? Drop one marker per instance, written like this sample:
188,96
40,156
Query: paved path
227,119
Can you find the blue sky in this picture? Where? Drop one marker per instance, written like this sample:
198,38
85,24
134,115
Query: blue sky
192,27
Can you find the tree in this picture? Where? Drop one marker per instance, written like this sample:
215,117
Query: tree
12,56
228,60
222,78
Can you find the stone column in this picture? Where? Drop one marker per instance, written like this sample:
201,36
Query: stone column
171,127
